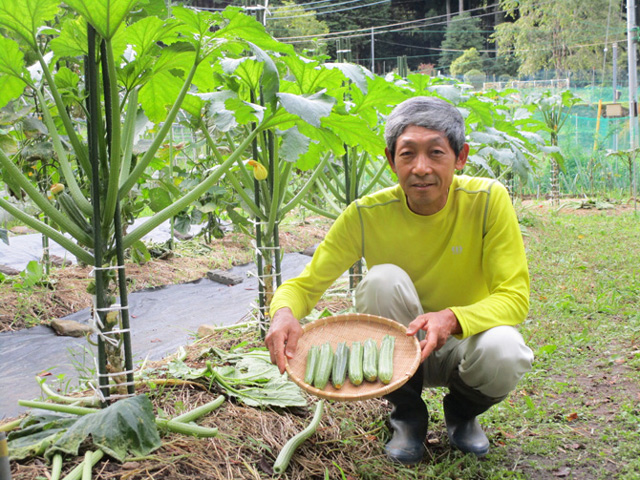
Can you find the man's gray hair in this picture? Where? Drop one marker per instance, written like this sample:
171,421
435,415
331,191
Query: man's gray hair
428,112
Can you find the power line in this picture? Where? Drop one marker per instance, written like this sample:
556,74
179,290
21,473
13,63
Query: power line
313,13
367,30
277,8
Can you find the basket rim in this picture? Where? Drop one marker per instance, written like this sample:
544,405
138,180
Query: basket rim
366,390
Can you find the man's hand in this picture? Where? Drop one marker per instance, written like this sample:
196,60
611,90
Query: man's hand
282,338
438,327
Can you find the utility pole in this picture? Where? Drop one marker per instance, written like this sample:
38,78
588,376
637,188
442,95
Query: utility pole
633,78
633,91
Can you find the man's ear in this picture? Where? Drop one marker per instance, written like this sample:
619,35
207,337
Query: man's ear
392,164
461,161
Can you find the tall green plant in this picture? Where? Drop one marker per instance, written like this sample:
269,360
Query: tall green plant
555,109
130,65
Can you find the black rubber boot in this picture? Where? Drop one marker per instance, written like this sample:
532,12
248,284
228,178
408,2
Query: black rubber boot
461,407
409,420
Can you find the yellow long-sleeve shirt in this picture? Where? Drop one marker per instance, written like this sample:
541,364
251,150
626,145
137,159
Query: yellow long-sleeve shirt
469,256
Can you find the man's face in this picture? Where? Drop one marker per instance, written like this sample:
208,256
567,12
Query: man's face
425,164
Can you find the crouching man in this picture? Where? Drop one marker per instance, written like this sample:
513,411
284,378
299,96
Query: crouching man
445,257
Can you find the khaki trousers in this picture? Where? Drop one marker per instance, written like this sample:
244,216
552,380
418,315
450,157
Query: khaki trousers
491,362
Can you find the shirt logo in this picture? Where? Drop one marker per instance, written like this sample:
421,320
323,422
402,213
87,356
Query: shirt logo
456,249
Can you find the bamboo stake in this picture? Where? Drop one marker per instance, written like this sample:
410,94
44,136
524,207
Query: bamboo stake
93,134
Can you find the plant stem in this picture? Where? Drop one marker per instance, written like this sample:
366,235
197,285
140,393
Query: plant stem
112,101
45,229
92,401
86,470
76,473
284,457
374,180
318,210
41,201
186,429
195,193
55,407
303,192
171,425
157,141
230,175
56,466
12,425
63,158
129,134
78,148
200,411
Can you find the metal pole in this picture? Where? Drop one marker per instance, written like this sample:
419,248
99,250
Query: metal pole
5,466
373,52
633,81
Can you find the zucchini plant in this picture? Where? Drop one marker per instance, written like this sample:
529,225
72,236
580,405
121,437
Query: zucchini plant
129,63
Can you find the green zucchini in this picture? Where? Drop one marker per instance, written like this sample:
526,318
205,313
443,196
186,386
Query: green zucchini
312,361
385,362
340,364
370,360
323,368
355,363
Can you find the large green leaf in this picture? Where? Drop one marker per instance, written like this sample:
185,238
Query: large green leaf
310,108
327,138
355,132
127,426
382,95
145,34
480,112
72,41
294,144
162,88
355,73
248,375
310,76
36,434
106,16
158,93
159,198
200,29
270,81
12,71
26,17
246,27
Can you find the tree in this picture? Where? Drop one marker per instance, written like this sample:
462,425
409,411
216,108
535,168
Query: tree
464,32
469,60
564,36
291,20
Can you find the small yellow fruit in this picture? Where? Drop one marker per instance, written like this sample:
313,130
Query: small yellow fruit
56,188
259,172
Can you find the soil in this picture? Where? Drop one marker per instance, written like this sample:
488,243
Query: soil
65,290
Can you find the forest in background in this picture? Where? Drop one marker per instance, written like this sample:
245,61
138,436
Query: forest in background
502,39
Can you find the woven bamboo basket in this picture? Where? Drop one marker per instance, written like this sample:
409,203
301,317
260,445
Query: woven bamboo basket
350,328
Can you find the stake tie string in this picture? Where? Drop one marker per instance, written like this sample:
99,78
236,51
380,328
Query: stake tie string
98,325
262,277
98,391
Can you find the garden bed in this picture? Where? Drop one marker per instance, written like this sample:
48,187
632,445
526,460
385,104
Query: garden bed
574,416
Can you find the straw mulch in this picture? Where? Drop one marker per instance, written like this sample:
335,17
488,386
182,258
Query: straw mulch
349,439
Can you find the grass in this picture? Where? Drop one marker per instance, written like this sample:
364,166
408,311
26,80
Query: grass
575,415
